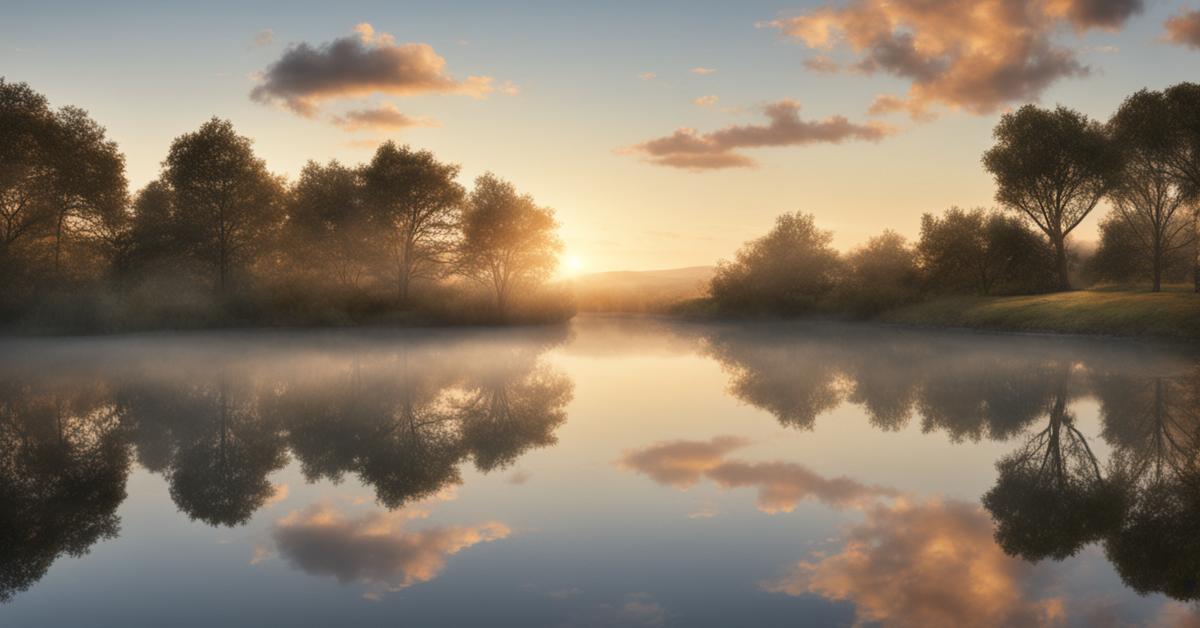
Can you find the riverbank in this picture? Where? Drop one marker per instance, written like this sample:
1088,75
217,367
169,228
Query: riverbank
1171,314
1167,314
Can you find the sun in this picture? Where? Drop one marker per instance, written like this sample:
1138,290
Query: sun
572,264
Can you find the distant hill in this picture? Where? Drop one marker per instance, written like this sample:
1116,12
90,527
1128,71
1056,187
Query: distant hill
640,291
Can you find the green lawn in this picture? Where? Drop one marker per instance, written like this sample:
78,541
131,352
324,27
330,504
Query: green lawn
1174,313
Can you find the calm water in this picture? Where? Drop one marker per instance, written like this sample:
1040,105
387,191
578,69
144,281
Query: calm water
619,472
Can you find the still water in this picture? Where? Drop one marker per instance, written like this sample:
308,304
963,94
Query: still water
617,472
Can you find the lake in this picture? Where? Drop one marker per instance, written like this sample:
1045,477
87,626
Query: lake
618,471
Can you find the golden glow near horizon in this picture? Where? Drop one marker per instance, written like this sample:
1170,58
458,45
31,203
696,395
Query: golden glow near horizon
648,163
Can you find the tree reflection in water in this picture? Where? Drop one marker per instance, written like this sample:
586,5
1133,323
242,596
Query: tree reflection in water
1053,495
64,460
1051,498
1153,423
216,419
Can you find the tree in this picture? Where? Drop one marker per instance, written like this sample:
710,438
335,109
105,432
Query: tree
790,270
1183,103
328,230
1121,255
880,274
227,205
1146,193
508,241
1052,167
150,232
416,203
26,173
89,186
982,252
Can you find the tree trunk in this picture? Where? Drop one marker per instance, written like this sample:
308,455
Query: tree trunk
1060,262
58,235
1157,268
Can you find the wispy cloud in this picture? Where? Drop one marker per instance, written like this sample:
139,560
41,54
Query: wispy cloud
382,118
781,485
262,38
688,149
1183,28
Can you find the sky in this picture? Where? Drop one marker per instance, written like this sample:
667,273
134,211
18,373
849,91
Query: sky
664,134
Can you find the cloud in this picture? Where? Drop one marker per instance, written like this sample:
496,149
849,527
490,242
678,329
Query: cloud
278,494
705,101
265,37
1183,28
822,64
926,564
647,76
972,56
261,553
702,71
382,118
363,143
1102,14
359,65
686,148
509,88
781,485
518,477
373,549
681,463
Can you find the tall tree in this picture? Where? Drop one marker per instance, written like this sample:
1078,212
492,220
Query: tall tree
509,242
1147,194
26,175
1053,167
89,188
416,202
1183,102
327,228
227,205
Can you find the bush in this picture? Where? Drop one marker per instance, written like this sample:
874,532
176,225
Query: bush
791,270
879,275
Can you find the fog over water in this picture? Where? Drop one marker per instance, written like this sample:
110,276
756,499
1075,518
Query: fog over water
616,471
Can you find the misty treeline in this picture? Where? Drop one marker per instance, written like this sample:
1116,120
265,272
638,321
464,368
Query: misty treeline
218,239
1052,168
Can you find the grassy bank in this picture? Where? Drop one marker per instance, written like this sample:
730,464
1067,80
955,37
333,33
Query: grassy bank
1169,314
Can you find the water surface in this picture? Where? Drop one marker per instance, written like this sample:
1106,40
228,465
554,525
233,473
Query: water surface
616,472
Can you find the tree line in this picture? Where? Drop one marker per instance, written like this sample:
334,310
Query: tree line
217,237
1052,168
